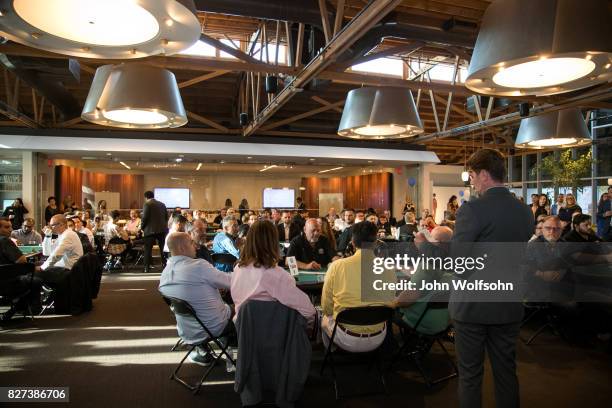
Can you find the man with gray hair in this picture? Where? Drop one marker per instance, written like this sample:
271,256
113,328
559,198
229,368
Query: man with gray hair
196,282
66,250
227,242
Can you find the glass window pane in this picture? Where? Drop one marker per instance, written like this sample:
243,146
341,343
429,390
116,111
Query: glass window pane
386,66
531,165
201,49
584,199
11,169
604,163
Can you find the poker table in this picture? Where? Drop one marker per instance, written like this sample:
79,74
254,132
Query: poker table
311,281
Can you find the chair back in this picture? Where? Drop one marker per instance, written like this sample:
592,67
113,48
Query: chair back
183,308
365,315
225,259
10,275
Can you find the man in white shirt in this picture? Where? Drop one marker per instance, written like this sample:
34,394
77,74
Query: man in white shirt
343,223
66,250
78,227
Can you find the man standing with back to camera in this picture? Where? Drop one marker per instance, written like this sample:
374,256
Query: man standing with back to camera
154,225
495,216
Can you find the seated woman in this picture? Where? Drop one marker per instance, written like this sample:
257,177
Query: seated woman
258,277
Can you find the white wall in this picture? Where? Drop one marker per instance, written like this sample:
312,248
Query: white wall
210,191
444,193
426,181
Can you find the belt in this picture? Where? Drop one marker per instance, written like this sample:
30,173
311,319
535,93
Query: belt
352,333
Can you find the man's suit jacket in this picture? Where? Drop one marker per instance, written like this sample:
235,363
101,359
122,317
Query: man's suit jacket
154,218
294,230
406,232
496,216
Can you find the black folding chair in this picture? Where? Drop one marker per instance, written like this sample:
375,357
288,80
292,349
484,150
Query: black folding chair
418,344
183,308
359,316
224,259
16,286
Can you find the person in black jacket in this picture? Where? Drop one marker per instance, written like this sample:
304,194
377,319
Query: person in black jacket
51,209
495,216
15,213
154,227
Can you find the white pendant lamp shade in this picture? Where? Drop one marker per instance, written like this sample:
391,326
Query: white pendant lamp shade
565,128
542,47
117,29
380,113
134,96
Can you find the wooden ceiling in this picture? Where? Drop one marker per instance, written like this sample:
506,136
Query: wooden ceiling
213,89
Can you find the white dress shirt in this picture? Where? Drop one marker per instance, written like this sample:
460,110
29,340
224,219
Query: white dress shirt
66,250
89,234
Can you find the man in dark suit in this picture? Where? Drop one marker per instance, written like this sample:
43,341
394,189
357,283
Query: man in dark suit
407,230
495,216
154,227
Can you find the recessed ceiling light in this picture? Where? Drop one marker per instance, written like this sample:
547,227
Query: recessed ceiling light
199,166
102,28
311,159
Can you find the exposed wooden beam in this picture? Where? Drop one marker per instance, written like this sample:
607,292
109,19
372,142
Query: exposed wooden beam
69,123
325,21
303,115
339,17
299,46
357,27
325,103
450,94
207,121
202,78
87,68
228,49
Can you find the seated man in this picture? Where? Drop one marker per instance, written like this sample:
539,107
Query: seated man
412,303
87,247
80,228
226,242
66,250
198,236
26,234
133,225
219,218
10,254
311,249
196,282
384,224
406,231
178,224
342,289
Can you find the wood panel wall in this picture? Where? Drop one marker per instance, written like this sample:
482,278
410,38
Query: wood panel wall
69,180
360,192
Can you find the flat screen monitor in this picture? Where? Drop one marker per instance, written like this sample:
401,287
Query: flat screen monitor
173,197
278,198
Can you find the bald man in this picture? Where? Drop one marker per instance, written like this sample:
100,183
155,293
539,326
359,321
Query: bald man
411,303
197,282
311,249
65,251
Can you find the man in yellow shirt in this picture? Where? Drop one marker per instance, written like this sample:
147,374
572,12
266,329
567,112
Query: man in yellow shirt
343,289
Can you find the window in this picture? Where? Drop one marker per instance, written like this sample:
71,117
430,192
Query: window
230,44
201,49
531,165
385,66
517,168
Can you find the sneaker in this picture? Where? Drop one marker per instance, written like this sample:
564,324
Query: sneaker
199,359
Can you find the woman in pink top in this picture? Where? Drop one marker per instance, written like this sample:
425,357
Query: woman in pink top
258,276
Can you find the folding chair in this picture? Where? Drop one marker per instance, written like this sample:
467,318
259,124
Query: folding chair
358,316
553,320
12,287
224,259
183,308
418,344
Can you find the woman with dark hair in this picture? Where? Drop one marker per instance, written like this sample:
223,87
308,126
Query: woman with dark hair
543,206
258,276
228,203
15,213
243,207
327,231
452,206
51,209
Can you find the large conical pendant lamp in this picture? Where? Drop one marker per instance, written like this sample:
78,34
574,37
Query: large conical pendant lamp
542,47
564,128
117,29
380,113
134,95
